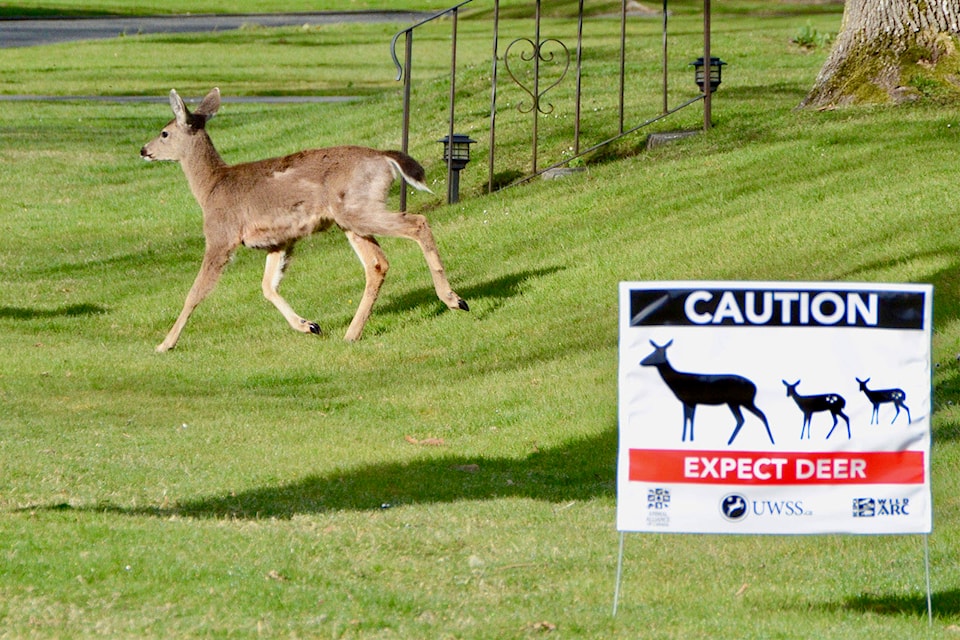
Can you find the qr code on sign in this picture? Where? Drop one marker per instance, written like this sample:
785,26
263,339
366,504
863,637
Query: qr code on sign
658,499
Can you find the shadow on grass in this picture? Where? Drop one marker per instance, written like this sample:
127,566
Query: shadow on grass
945,603
577,470
499,289
69,311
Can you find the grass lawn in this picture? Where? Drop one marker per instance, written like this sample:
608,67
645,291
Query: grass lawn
453,474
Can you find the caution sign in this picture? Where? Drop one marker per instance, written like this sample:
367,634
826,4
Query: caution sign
778,408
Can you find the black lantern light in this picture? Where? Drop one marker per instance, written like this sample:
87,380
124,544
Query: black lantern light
715,70
456,153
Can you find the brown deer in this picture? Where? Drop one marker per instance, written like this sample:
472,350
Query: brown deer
270,204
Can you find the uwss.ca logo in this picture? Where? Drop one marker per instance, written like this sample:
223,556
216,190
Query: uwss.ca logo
733,507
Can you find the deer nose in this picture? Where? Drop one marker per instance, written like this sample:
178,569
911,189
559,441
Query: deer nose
144,153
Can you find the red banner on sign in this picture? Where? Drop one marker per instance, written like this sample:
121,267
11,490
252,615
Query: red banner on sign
756,468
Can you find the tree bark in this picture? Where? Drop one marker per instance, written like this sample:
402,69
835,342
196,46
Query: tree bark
890,51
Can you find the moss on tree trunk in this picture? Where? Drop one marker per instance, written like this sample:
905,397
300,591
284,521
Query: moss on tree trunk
891,51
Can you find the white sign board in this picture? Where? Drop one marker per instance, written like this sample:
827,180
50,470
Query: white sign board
774,408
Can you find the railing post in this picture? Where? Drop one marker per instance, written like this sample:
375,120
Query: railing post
576,122
666,106
405,133
493,95
536,86
706,59
623,58
453,97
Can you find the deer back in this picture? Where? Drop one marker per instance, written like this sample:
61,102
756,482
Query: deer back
700,388
283,199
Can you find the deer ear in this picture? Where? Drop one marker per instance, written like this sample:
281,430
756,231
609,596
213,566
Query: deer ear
210,104
179,109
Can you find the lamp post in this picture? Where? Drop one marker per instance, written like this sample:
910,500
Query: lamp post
456,154
715,70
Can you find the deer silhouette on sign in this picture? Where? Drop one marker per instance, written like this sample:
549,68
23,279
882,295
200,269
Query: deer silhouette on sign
809,405
882,396
692,389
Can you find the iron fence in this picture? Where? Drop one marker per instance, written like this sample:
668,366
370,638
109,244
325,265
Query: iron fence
538,51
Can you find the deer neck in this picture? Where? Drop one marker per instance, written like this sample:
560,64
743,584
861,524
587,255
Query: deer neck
203,166
668,373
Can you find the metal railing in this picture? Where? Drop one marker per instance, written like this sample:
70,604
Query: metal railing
404,73
538,50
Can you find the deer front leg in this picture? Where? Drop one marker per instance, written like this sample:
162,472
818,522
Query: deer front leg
214,260
272,274
375,268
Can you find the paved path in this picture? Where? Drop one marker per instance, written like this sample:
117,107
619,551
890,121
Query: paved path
25,33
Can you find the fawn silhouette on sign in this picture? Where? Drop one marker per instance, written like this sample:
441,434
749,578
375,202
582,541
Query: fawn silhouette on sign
881,396
692,389
832,402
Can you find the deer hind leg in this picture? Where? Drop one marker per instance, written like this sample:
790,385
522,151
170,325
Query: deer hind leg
847,420
835,425
739,416
214,261
375,268
752,408
380,222
272,275
909,419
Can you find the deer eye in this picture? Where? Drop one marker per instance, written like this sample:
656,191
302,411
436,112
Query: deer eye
164,134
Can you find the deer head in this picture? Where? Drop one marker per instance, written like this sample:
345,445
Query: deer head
172,142
791,388
659,355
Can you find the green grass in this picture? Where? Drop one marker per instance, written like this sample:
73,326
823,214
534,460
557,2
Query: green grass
453,475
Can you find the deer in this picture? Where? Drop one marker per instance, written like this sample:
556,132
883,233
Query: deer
692,389
882,396
832,402
271,204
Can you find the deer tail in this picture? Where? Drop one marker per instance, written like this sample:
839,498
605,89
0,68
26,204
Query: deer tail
407,168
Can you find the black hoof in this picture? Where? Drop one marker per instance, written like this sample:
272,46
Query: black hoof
463,305
315,328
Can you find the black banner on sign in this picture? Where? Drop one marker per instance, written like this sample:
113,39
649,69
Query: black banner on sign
751,307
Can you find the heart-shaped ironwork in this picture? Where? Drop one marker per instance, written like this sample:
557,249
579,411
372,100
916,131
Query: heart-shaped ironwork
537,53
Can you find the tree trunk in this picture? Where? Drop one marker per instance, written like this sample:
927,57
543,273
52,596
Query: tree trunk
890,51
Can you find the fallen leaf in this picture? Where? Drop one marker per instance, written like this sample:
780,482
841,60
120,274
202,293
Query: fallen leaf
276,575
742,589
426,442
543,625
